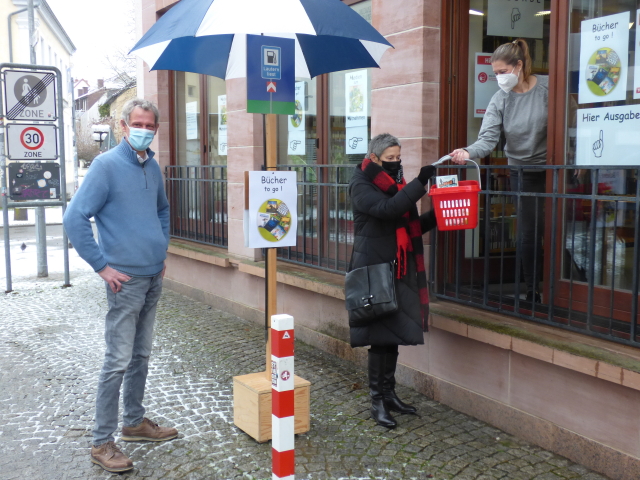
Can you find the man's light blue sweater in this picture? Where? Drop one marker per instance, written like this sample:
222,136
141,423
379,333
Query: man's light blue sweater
131,212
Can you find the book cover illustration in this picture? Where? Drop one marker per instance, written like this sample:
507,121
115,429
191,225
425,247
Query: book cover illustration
274,220
603,71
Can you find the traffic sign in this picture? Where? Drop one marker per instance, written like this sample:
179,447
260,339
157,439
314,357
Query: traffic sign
271,68
271,58
30,95
32,142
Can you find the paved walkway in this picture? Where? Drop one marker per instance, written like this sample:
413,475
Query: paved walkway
51,350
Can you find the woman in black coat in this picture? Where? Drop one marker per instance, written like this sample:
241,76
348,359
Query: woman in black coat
387,227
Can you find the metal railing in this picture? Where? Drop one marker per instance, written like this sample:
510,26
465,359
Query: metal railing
588,254
325,218
198,199
586,244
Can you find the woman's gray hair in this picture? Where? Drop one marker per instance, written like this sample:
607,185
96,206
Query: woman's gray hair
380,143
143,104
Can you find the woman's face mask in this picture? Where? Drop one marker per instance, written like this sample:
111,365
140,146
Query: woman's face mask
507,81
391,167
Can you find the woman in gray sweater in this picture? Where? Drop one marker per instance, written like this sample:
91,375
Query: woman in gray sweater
520,110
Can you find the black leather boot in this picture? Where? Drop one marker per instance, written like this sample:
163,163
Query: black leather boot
379,410
389,387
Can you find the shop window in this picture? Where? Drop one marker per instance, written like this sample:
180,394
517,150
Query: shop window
328,135
297,134
217,144
349,115
200,139
188,119
197,186
603,118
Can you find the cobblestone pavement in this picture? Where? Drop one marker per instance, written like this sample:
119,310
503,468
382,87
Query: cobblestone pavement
51,351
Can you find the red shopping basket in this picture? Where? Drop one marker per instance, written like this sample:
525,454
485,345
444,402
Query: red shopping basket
456,207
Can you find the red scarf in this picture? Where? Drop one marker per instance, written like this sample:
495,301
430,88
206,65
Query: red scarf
408,234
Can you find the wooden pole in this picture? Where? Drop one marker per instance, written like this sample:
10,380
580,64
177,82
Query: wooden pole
271,264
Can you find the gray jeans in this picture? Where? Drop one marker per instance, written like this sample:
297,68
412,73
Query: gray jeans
129,335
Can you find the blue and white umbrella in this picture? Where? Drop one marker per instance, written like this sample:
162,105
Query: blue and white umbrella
209,36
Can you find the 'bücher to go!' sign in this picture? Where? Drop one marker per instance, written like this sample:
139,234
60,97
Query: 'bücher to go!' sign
271,218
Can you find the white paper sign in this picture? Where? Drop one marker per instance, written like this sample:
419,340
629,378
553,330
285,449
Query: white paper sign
192,120
636,77
515,18
608,136
222,125
296,123
604,58
356,105
486,84
356,140
272,218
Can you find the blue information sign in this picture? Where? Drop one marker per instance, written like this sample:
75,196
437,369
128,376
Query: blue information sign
270,75
271,69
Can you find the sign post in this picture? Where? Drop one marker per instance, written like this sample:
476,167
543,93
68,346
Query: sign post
32,118
270,221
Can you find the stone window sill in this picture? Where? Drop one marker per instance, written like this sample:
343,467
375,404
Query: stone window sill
589,355
311,279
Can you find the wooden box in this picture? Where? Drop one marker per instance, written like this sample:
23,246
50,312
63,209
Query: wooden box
252,405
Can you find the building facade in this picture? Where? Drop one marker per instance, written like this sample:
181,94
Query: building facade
53,47
564,371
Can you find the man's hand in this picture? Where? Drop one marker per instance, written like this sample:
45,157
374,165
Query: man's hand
114,278
164,269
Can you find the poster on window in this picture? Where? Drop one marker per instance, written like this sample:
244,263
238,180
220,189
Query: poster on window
604,58
486,84
356,104
271,218
191,111
222,124
636,77
608,136
512,18
296,123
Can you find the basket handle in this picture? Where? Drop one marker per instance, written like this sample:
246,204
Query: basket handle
448,157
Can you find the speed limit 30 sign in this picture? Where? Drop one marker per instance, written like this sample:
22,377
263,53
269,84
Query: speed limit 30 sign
32,142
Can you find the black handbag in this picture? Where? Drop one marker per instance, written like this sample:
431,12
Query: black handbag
370,293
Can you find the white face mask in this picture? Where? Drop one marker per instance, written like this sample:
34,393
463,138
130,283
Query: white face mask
507,81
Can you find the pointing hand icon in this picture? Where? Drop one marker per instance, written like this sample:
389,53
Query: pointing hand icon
515,16
598,145
353,142
294,144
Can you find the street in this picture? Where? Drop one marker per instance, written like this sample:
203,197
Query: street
51,348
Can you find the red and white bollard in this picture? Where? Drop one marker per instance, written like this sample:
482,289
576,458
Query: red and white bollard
282,398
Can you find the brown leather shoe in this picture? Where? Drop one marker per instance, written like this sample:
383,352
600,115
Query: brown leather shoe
109,457
148,431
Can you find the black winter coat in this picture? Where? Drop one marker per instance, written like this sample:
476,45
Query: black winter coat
376,216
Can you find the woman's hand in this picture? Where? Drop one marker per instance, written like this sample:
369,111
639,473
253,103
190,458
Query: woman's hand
459,156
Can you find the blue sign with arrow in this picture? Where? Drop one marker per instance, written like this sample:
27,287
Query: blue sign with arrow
270,75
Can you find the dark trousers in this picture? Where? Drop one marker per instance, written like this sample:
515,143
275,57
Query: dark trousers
530,224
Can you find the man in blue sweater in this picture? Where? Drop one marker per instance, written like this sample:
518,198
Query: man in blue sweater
123,190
